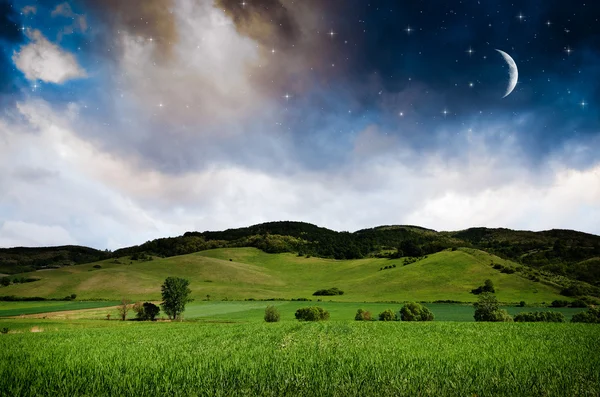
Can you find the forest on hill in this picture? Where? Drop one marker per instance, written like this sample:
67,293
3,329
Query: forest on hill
563,252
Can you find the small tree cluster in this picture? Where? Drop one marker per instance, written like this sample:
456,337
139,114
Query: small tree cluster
388,315
313,313
487,308
415,312
592,316
488,286
329,292
363,315
540,317
146,311
271,314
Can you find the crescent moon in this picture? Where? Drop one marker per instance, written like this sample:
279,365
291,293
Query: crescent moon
514,73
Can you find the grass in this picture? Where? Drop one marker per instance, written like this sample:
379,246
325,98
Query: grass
254,311
21,308
252,273
289,358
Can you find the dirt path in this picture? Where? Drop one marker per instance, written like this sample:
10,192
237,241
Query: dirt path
95,313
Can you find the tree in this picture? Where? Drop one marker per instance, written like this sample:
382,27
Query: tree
591,316
487,308
488,286
271,314
150,311
415,312
123,308
388,315
363,315
175,295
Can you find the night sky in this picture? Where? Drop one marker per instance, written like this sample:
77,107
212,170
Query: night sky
124,121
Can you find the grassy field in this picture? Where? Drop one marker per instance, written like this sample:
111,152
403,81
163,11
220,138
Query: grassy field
250,311
240,273
102,358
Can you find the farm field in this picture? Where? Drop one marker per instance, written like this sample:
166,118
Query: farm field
244,273
103,358
252,311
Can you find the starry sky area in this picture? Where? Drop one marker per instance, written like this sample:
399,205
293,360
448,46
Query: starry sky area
126,121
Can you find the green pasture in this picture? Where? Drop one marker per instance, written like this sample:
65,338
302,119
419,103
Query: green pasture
242,273
20,308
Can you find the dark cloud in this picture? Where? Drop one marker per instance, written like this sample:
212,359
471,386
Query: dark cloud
146,18
269,22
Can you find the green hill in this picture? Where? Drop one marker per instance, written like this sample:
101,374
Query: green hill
249,273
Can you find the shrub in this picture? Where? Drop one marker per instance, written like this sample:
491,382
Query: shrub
4,331
329,292
508,270
271,314
488,286
540,317
579,304
388,315
487,308
363,315
313,313
97,267
592,316
522,304
559,303
415,312
5,281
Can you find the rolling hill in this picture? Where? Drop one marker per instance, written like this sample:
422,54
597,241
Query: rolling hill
249,273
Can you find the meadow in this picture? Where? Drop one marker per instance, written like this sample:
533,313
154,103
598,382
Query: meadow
242,273
336,358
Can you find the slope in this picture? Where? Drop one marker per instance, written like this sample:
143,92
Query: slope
244,273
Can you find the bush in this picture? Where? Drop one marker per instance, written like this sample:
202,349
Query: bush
4,331
363,315
487,308
388,315
559,303
271,314
488,286
97,267
522,304
146,311
5,281
592,316
415,312
313,313
540,317
329,292
579,304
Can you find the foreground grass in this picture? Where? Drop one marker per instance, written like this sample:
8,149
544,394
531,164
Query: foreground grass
241,273
317,359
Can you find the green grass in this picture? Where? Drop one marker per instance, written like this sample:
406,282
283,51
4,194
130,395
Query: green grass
20,308
252,273
102,358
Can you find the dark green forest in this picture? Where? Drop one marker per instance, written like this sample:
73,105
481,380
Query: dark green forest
562,252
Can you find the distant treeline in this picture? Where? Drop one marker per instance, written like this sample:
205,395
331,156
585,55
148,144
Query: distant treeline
564,252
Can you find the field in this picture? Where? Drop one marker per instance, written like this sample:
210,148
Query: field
103,358
248,311
242,273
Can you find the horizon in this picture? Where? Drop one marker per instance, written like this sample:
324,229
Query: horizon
319,226
215,114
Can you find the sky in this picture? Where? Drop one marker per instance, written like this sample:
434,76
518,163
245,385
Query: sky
125,121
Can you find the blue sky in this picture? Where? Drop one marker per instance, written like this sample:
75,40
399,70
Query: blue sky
126,121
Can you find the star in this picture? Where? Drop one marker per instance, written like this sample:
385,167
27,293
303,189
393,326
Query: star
408,30
471,84
548,23
521,17
583,104
287,96
445,112
273,51
401,114
331,33
470,51
568,50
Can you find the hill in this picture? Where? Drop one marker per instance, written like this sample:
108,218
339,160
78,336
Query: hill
249,273
565,253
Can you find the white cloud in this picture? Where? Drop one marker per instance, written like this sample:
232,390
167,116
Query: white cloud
45,61
60,189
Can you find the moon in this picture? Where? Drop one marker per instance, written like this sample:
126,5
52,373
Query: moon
514,73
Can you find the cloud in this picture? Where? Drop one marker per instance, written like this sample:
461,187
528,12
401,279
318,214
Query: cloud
51,177
79,21
29,10
45,61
